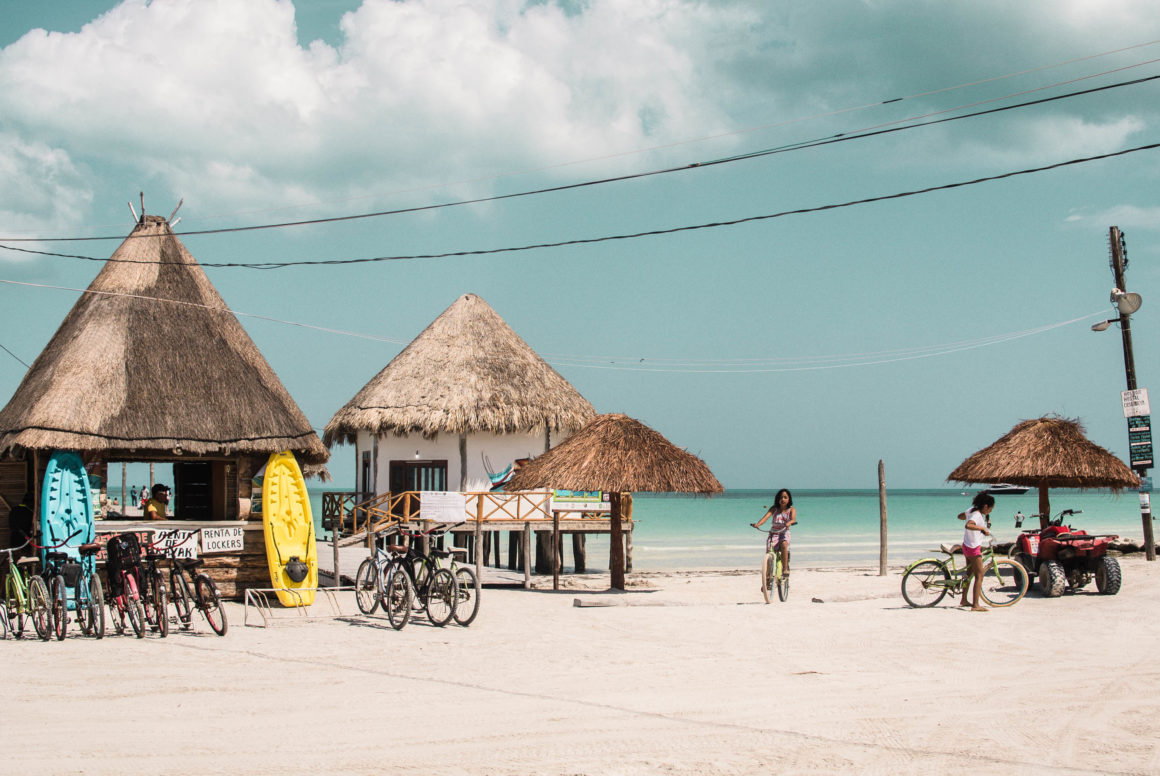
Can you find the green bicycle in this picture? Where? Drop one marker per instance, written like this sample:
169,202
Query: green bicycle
26,597
925,582
772,573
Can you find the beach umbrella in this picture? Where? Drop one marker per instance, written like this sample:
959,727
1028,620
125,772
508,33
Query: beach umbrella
617,454
1044,453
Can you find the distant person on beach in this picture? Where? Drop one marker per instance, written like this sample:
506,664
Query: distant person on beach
784,514
155,507
133,495
978,520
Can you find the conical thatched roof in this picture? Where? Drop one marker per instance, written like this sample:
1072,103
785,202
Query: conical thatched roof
615,453
466,372
1048,452
129,374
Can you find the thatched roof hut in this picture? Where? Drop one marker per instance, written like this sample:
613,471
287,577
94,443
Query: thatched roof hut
467,372
1047,452
150,361
615,453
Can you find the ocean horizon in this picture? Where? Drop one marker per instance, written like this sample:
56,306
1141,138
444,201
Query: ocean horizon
836,527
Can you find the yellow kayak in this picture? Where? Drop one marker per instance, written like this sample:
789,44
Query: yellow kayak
288,525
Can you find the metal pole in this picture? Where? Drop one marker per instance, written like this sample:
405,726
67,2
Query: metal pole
881,518
1116,239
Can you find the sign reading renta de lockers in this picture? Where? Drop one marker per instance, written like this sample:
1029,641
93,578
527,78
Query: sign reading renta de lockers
226,539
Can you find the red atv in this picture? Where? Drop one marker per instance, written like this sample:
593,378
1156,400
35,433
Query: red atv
1066,558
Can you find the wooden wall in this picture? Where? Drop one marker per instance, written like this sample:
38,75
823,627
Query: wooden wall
13,482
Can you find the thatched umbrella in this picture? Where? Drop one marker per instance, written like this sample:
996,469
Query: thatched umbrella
1048,452
617,454
150,361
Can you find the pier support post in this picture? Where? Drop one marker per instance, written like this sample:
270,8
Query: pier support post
881,518
527,555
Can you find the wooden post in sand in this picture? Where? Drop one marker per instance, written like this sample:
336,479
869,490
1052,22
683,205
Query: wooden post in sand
527,556
555,549
881,518
479,552
616,543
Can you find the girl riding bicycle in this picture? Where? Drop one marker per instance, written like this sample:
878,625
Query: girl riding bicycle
784,515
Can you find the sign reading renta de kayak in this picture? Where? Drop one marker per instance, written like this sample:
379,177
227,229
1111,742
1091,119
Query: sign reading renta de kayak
227,539
1135,403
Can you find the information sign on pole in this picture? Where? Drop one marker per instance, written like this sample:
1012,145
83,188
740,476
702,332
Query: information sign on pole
1140,441
1135,402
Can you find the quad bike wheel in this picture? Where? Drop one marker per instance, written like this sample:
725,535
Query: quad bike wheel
1108,576
1052,579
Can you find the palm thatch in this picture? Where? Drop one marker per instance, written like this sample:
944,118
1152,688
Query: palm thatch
615,453
467,372
127,373
1048,452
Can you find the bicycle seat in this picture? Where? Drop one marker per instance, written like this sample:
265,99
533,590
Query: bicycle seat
53,557
951,550
31,559
188,563
459,552
89,549
396,548
440,553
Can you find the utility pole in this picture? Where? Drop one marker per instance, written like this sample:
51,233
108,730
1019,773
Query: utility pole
1119,261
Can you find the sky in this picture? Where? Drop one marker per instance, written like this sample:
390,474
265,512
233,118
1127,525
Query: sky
786,348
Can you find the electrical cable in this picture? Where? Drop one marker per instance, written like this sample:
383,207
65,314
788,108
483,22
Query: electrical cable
796,146
637,235
18,358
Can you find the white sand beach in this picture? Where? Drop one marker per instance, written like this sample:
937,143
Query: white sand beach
681,674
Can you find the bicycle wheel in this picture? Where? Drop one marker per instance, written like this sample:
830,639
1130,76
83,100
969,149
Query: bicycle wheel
782,581
14,602
81,605
466,596
3,621
440,600
925,583
766,576
59,607
398,596
210,604
366,586
161,607
97,606
182,599
41,607
1004,582
136,614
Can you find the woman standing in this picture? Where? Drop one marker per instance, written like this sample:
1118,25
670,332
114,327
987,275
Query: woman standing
784,514
977,521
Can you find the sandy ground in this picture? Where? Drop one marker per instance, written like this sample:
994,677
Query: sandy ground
682,674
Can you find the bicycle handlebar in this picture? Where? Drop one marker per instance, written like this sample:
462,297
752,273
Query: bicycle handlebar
11,550
54,546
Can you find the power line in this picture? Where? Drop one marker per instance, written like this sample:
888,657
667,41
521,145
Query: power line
714,366
636,235
879,129
18,358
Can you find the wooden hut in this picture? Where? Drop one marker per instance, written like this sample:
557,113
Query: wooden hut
464,400
1044,453
151,366
618,454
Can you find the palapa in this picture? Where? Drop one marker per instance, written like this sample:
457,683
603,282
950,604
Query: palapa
467,372
1044,453
151,361
617,454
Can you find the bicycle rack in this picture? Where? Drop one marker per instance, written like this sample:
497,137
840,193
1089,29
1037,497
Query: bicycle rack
259,598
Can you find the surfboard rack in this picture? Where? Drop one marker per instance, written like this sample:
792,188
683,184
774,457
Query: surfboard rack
264,603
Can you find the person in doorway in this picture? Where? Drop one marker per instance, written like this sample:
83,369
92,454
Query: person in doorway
156,506
784,514
978,522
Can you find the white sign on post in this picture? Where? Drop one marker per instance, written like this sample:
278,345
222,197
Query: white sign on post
1135,403
230,539
442,506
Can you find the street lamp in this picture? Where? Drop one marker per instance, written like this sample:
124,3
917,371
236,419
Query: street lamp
1139,422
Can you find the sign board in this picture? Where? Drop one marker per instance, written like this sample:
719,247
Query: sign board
1135,402
1140,442
580,501
442,506
181,544
1145,484
227,539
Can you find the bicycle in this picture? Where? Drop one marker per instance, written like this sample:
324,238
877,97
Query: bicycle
925,582
436,590
199,592
123,567
25,597
89,594
395,595
772,573
55,566
466,585
152,584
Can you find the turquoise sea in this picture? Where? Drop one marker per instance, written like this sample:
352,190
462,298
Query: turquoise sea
835,527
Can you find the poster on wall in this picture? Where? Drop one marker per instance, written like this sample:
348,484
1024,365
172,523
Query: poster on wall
442,506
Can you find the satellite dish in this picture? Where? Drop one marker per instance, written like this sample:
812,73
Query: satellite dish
1126,303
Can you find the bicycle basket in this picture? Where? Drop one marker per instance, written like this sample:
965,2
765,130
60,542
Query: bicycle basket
71,572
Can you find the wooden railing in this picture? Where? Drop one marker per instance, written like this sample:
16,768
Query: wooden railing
360,512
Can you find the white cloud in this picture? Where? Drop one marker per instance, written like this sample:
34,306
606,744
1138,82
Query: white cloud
43,190
1124,216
